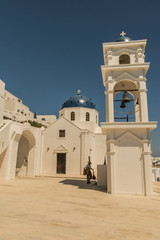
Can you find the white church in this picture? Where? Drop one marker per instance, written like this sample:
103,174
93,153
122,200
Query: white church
45,146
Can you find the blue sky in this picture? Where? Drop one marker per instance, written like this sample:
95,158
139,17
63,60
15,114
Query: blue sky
49,49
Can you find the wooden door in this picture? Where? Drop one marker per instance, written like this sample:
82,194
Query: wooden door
61,163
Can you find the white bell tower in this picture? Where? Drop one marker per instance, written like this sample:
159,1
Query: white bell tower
128,154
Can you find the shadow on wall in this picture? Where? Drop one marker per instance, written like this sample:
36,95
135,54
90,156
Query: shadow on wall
82,184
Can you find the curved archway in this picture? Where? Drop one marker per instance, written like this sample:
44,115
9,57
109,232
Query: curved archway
25,154
124,59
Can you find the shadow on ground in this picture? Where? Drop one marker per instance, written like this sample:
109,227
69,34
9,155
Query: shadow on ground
82,184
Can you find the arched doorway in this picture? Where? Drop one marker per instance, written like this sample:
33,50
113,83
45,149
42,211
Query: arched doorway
25,155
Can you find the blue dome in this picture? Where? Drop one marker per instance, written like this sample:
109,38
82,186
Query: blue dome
123,39
78,101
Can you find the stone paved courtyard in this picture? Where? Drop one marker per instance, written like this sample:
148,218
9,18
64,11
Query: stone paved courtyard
69,209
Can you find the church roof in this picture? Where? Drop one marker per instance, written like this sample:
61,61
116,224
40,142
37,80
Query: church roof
123,38
78,101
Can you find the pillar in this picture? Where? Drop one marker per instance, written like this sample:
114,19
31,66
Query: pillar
2,89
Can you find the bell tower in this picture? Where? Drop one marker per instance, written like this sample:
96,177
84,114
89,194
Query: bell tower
128,150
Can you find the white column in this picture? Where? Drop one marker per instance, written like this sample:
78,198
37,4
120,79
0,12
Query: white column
140,55
147,163
31,162
12,156
84,150
111,178
137,112
143,98
143,105
109,106
2,86
108,57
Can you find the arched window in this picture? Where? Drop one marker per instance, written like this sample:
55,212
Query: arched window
96,119
87,116
72,116
124,59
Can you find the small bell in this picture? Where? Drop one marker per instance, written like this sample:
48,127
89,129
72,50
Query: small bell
126,98
122,104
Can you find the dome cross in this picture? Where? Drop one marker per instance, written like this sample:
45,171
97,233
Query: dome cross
79,91
122,33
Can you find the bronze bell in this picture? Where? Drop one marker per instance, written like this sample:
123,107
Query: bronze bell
126,98
122,104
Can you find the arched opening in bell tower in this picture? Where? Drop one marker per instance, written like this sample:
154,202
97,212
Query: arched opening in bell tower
124,59
126,102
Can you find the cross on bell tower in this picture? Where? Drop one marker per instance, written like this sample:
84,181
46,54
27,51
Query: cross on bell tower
122,33
79,91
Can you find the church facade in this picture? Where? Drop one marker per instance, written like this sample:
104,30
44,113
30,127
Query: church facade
60,146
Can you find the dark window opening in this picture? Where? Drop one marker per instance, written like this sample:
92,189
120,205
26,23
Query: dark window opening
87,116
72,116
61,133
124,59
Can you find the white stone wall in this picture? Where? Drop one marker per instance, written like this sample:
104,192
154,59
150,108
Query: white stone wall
2,86
14,148
15,109
80,118
78,144
46,120
53,144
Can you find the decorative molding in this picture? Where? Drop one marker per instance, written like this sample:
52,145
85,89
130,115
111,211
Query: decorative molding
128,44
110,153
124,51
146,140
147,153
143,90
110,81
141,79
126,75
130,134
110,141
109,91
133,66
60,149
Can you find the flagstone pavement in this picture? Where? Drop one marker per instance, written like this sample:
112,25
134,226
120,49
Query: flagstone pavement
66,208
